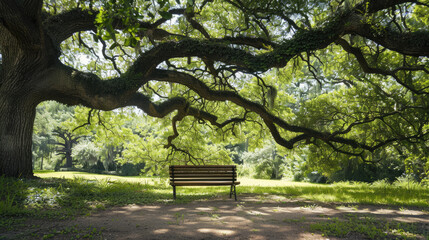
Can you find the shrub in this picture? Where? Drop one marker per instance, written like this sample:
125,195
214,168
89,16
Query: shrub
129,169
316,177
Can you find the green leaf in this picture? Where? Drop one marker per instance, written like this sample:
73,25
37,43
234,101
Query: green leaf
165,15
99,19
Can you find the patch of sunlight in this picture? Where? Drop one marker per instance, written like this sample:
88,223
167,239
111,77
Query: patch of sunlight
91,176
161,231
217,232
326,198
271,183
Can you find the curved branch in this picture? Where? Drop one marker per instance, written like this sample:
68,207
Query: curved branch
270,120
368,69
407,43
196,25
21,20
372,6
62,26
70,86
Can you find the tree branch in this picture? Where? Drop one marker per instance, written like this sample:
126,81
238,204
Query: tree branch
407,43
368,69
22,22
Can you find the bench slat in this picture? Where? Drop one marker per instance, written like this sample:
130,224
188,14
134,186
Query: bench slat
204,183
201,170
202,179
203,173
191,175
203,166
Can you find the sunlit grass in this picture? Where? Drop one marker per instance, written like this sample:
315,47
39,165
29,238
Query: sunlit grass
70,192
400,194
92,176
368,227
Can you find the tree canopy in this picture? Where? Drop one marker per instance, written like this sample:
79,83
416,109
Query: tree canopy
347,77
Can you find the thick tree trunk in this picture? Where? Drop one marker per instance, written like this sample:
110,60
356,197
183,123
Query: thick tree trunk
69,160
16,129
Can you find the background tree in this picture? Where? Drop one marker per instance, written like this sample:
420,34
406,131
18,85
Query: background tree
86,153
65,146
266,162
222,68
50,116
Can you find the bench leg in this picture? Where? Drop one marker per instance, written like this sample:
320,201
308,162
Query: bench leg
235,193
174,192
233,190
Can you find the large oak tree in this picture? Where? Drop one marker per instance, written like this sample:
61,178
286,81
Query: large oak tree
217,50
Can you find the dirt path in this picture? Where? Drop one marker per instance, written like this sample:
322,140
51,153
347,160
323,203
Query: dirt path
269,217
266,217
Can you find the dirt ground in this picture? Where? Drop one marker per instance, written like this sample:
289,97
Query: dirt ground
252,217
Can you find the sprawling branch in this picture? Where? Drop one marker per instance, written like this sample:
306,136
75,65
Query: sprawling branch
93,92
20,19
64,25
73,87
183,108
368,69
408,43
273,122
80,88
372,6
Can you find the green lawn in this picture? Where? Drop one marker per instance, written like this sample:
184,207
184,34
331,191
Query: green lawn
68,193
363,193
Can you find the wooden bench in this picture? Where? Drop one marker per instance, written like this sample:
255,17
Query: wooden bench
204,175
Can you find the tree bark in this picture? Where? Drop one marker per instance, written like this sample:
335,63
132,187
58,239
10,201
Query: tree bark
16,129
41,164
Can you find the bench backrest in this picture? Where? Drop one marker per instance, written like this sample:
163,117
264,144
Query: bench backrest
227,173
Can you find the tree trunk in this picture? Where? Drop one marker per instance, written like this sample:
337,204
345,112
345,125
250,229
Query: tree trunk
16,129
41,164
69,159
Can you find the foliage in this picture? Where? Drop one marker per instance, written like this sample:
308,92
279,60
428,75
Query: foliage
12,195
129,169
86,153
344,83
266,162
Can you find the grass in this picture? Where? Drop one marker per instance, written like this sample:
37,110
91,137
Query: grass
61,195
399,194
369,228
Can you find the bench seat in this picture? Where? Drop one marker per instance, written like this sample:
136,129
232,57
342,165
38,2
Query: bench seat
203,183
